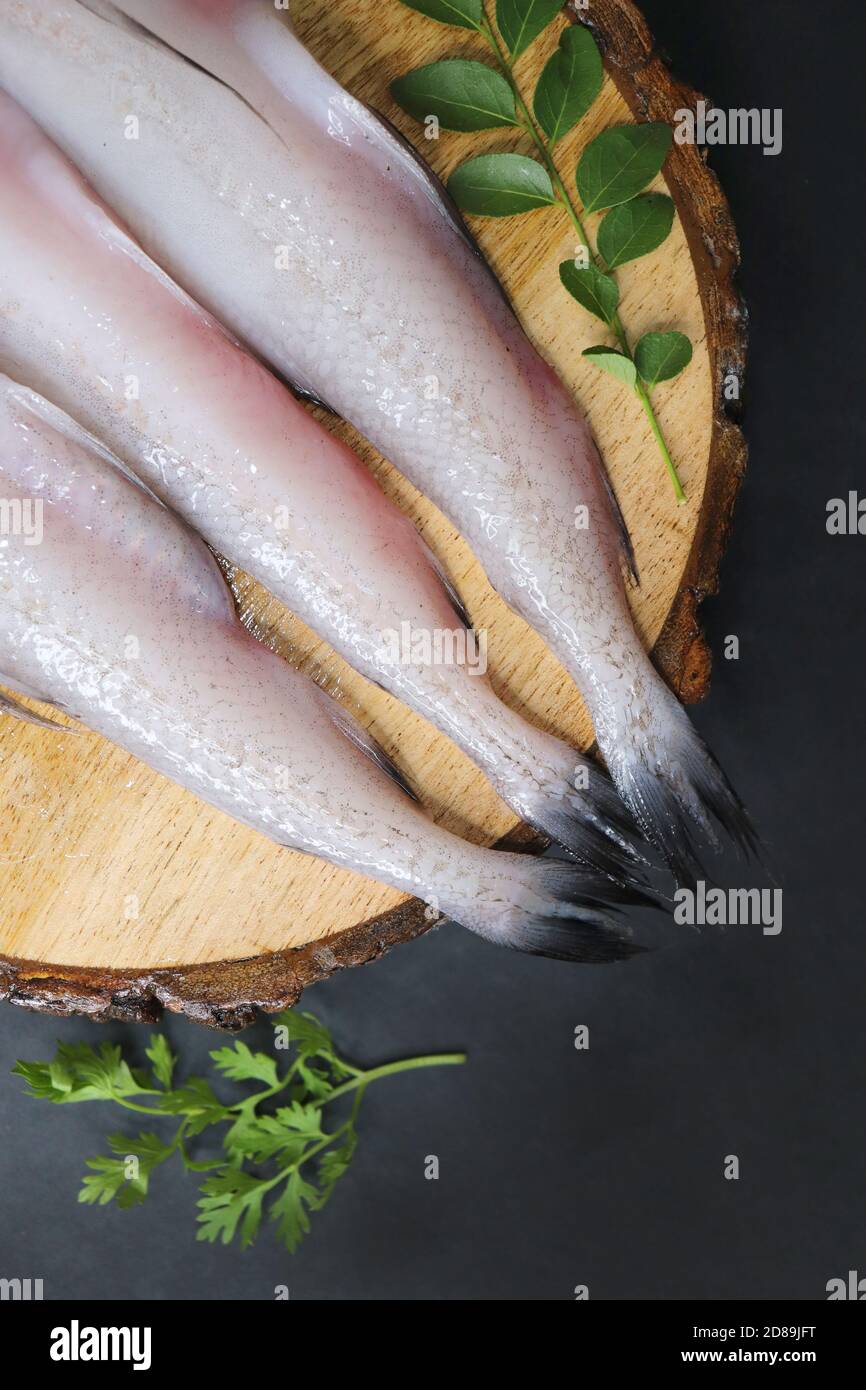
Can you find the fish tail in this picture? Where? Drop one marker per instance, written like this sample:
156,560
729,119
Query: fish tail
677,793
564,794
544,907
583,814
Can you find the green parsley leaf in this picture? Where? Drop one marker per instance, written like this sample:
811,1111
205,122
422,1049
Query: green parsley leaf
283,1144
290,1210
162,1059
230,1197
240,1064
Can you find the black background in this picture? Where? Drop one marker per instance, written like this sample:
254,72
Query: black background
605,1167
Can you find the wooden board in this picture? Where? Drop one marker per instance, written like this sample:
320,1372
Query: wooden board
123,894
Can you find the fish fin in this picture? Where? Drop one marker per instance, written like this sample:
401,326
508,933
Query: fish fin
547,908
108,11
441,197
104,9
310,397
368,745
64,424
10,706
448,585
450,211
596,830
625,541
677,792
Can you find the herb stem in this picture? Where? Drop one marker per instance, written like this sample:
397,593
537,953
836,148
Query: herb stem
532,130
527,122
141,1109
443,1059
644,399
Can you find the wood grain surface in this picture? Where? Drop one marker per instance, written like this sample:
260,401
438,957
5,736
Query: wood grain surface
123,893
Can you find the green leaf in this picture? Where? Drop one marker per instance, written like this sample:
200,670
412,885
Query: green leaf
240,1064
162,1059
569,84
635,228
289,1210
104,1071
661,356
500,185
305,1119
311,1039
462,95
521,21
229,1197
61,1078
306,1033
610,360
620,162
593,289
103,1184
463,14
79,1072
38,1078
333,1164
196,1100
263,1137
110,1178
289,1131
49,1081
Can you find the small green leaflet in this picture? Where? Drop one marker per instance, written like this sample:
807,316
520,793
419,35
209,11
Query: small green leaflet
305,1119
334,1163
162,1059
620,162
297,1159
569,84
106,1183
500,185
39,1081
125,1177
521,21
60,1077
262,1137
240,1064
79,1072
610,360
596,291
661,356
195,1100
229,1197
464,14
290,1211
635,228
462,95
309,1037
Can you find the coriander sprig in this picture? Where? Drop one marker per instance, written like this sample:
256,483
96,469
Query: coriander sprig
614,169
281,1162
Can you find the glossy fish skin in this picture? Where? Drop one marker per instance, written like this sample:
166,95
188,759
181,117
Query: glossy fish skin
119,615
349,275
87,319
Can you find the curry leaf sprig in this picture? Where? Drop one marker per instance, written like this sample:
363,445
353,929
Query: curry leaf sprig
281,1162
613,172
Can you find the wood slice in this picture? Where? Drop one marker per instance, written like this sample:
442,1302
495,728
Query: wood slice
123,894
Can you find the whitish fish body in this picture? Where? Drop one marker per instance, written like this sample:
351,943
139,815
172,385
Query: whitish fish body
115,612
290,211
89,321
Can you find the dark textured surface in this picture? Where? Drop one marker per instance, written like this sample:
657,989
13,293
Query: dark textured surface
606,1168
